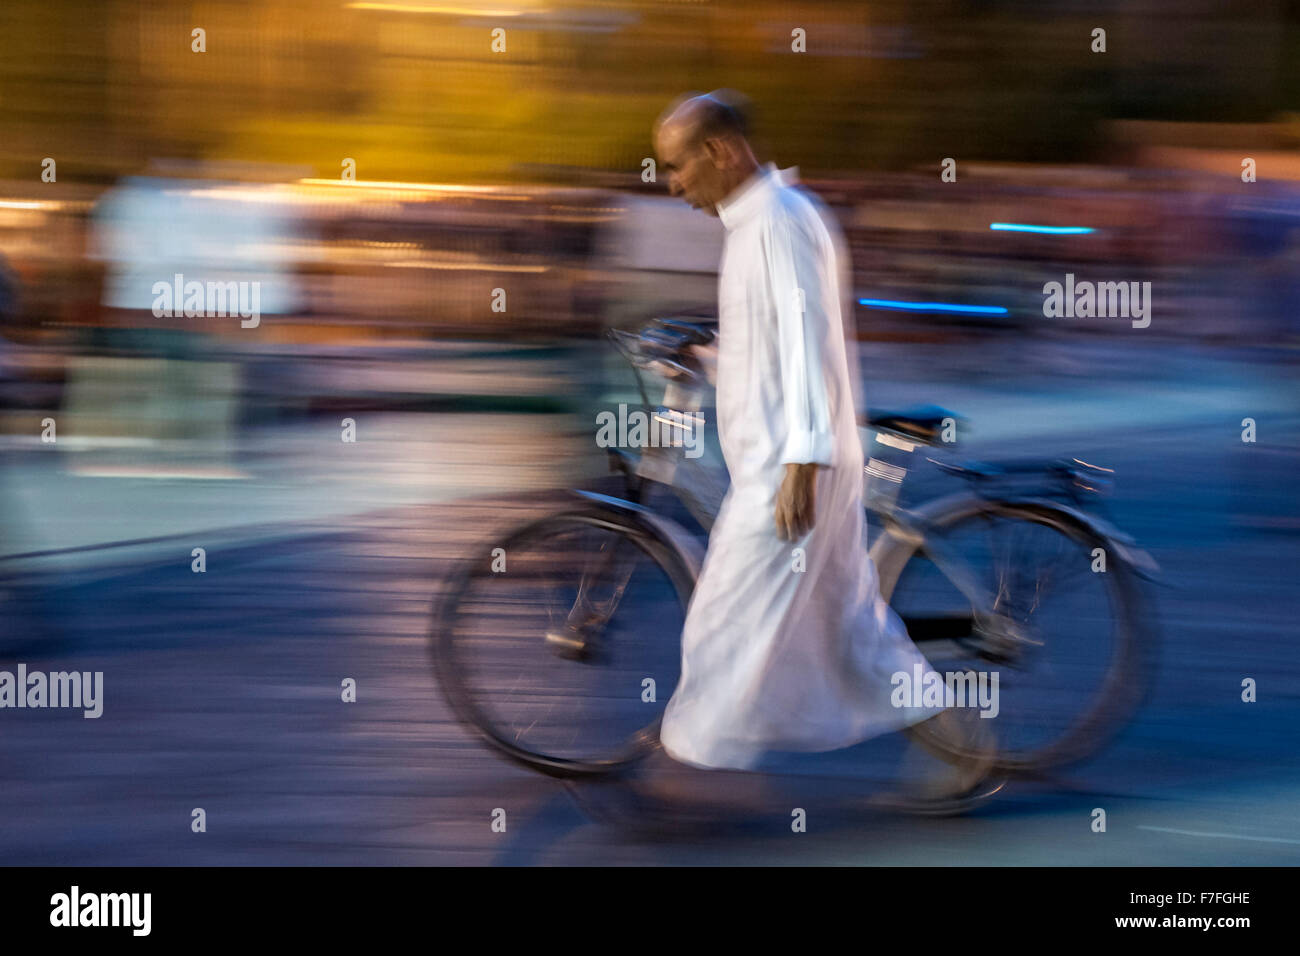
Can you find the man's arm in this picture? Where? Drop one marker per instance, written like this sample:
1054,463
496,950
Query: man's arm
800,286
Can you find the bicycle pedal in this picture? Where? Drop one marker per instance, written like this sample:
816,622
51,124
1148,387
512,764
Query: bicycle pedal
569,644
1001,642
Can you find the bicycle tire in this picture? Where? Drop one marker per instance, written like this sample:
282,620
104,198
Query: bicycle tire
1131,665
450,652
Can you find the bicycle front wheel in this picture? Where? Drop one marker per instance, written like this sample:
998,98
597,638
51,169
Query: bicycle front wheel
1033,616
560,643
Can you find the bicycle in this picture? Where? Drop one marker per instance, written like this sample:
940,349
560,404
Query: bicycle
579,610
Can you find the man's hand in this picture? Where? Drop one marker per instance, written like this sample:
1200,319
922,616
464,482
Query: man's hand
796,502
707,357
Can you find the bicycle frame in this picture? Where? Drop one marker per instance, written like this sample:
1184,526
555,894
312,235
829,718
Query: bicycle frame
968,584
587,618
1062,484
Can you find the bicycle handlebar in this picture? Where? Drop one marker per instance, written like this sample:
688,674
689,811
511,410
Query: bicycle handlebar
663,346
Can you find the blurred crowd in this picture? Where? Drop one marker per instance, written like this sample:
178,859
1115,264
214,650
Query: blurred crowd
357,264
394,178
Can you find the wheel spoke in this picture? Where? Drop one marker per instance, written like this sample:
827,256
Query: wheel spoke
1052,630
581,705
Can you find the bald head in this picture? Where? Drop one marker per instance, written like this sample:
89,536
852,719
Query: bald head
702,146
700,115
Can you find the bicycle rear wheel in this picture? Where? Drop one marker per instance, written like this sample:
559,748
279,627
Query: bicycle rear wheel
560,643
1062,641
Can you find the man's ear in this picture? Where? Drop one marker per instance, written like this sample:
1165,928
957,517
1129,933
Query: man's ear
718,150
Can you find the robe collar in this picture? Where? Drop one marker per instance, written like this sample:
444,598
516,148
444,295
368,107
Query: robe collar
747,198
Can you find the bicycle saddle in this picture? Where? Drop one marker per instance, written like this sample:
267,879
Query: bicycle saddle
921,423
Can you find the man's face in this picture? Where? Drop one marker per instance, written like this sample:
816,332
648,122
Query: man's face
693,172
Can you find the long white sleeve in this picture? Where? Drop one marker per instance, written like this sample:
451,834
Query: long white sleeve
799,287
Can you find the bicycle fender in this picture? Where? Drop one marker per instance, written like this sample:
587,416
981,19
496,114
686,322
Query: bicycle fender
1125,547
665,529
1139,558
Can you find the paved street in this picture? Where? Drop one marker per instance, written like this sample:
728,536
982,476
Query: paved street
222,690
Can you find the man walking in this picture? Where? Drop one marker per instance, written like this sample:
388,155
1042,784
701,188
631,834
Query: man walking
787,644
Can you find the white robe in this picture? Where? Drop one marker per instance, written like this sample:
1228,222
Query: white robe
775,658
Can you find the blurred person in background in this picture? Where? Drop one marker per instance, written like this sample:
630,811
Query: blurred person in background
9,312
788,644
